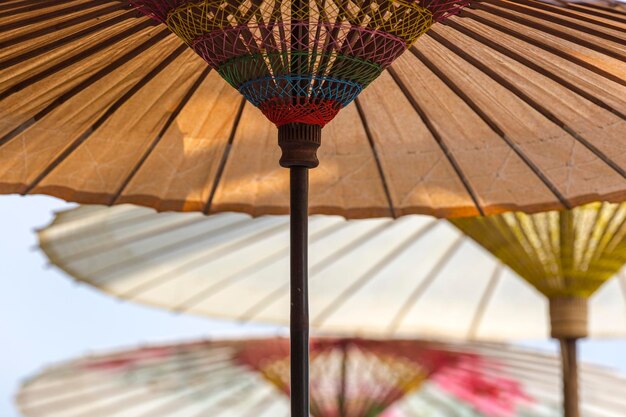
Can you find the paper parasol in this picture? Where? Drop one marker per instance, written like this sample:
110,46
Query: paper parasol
509,105
399,278
350,378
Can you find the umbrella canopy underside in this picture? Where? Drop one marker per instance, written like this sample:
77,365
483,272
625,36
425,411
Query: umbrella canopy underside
510,105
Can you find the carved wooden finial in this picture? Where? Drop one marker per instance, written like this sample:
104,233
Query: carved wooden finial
299,143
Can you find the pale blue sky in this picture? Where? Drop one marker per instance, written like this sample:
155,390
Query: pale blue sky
45,317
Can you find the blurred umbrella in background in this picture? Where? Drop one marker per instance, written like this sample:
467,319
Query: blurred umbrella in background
414,277
567,256
350,378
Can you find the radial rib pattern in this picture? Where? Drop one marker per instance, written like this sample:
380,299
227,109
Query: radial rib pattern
561,253
511,105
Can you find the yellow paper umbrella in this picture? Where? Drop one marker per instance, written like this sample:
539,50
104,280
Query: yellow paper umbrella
567,256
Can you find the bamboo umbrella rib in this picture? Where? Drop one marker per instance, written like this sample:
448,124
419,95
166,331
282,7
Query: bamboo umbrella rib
483,304
549,367
569,13
256,410
63,23
260,407
604,13
503,49
105,246
112,394
171,58
613,45
538,42
541,382
509,85
64,17
622,281
149,149
379,167
584,23
563,18
227,392
112,407
423,285
371,273
138,289
225,401
560,19
314,270
121,400
201,237
556,31
234,390
437,137
58,11
614,8
411,72
440,404
416,406
105,18
608,14
60,390
490,122
133,53
201,294
195,263
224,159
91,51
58,397
590,247
24,6
126,216
215,287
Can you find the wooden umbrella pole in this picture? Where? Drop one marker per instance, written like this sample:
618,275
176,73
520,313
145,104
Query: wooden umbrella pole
570,376
569,322
299,143
299,324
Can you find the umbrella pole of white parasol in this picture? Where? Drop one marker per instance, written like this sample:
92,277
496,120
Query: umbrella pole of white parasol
299,143
568,318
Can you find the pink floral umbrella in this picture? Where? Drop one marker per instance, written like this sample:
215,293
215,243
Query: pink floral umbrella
350,378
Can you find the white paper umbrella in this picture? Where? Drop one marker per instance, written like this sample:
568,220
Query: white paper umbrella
242,378
408,277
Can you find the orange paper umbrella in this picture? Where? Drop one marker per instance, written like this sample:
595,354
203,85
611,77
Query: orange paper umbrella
507,105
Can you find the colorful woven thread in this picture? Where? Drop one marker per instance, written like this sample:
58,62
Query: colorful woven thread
299,61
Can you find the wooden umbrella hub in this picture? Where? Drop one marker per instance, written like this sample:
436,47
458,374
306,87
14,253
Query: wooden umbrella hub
569,317
299,62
